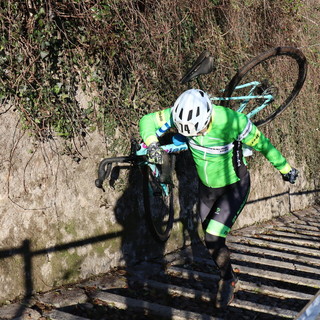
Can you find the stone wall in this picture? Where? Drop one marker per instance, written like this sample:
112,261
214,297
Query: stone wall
57,227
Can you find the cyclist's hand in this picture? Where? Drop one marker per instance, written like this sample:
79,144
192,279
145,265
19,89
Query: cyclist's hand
155,153
291,176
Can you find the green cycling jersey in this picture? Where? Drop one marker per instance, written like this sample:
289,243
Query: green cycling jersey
214,152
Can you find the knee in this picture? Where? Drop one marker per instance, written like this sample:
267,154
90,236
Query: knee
217,248
214,243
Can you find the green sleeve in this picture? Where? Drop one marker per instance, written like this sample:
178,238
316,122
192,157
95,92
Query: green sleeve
151,122
258,141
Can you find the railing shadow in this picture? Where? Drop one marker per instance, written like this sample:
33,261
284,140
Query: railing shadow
298,193
27,255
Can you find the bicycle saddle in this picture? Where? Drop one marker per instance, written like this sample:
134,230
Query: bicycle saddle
203,65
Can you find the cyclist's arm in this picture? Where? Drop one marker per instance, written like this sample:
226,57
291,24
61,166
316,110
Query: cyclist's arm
253,137
151,122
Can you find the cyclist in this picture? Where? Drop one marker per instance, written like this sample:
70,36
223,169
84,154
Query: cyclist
215,136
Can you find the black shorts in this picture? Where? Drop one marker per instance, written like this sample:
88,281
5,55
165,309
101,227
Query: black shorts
220,207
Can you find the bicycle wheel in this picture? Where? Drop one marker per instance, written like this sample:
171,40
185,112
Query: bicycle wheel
281,72
158,204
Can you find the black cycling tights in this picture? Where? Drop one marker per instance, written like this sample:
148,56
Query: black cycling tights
220,254
219,209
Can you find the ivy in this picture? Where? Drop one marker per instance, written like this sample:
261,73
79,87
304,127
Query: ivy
48,50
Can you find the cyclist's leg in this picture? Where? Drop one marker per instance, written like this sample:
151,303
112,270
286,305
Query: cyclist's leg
219,209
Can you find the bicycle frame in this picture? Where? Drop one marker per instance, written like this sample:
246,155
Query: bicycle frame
169,148
245,99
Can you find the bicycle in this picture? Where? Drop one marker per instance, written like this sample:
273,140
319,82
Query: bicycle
271,95
262,99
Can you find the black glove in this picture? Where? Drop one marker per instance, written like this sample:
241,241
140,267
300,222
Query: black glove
291,176
155,153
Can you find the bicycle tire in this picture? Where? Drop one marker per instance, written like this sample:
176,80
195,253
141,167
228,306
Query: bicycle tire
159,208
296,63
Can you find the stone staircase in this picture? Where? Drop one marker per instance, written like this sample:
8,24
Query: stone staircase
278,265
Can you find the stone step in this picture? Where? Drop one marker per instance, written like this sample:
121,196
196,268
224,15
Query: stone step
241,304
206,296
310,221
18,311
270,275
268,252
60,315
283,277
192,274
262,273
181,291
273,291
243,285
291,230
270,310
304,225
288,234
149,308
273,245
272,262
312,211
310,243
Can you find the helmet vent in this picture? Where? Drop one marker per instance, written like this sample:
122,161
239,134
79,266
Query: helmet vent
192,112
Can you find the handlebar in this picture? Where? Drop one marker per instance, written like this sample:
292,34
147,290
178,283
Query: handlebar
138,153
105,167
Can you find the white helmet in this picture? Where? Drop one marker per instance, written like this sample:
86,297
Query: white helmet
192,112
